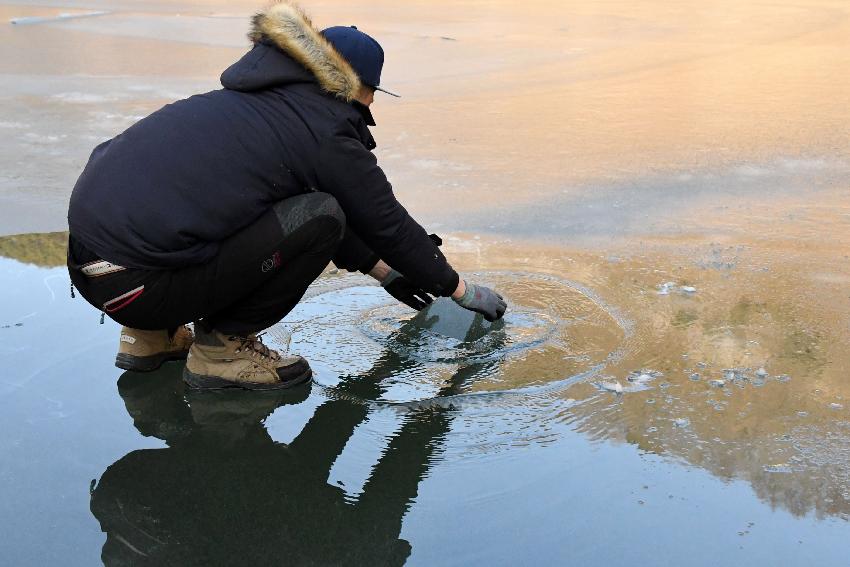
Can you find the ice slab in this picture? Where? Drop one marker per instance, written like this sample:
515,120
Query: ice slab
447,318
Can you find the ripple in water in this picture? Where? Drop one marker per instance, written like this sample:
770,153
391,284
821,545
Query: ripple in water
362,345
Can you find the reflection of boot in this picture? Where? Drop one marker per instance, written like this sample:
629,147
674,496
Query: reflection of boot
234,418
213,409
221,361
156,402
144,351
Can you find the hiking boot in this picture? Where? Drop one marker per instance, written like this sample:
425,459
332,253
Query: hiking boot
144,351
220,361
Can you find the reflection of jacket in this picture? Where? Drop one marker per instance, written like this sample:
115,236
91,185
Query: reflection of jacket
256,504
224,492
167,190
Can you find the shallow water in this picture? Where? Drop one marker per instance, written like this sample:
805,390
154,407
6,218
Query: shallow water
414,447
659,192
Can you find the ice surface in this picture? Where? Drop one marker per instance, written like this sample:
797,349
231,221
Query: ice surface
29,20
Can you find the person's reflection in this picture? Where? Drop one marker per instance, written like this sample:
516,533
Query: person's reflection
224,492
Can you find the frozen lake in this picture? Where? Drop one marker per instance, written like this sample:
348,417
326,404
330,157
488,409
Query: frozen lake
659,191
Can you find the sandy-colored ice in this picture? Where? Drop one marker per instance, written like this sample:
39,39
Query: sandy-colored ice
505,104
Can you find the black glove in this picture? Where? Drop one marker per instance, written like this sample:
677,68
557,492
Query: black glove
406,291
482,300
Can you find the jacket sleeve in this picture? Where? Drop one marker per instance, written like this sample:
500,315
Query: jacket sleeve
349,171
353,254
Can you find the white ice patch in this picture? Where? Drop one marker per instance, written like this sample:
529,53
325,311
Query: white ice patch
672,287
29,20
637,381
44,138
614,386
643,377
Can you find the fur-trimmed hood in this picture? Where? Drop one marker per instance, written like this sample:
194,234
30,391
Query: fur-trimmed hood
285,26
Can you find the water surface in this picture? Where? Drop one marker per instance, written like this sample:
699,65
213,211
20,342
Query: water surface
415,447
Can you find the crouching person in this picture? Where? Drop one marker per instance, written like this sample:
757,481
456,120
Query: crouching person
222,209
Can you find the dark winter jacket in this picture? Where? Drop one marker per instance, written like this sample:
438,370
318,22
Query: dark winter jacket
164,193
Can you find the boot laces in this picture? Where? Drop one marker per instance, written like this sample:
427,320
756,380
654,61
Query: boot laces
254,345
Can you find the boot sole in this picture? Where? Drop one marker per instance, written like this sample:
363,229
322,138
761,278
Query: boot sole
126,361
201,382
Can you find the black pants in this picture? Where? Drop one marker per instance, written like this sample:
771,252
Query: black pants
258,276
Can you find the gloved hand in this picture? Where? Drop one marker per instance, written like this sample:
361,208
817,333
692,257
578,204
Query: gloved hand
406,291
482,300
